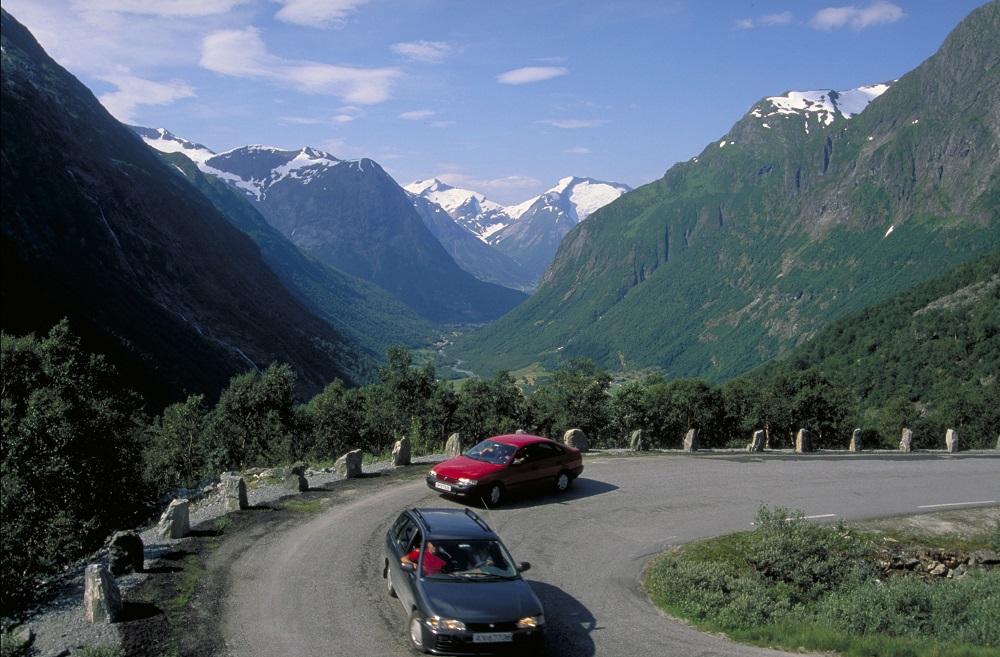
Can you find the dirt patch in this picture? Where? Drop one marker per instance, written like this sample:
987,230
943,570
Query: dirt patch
176,610
974,524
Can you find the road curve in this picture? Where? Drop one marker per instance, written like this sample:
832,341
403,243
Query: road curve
316,589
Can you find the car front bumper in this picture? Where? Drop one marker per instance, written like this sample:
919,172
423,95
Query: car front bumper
444,642
453,488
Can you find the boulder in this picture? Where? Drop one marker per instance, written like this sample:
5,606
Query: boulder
401,452
175,521
906,442
855,445
637,441
803,441
519,432
234,491
951,440
576,438
691,440
453,447
757,442
102,599
125,553
349,465
295,479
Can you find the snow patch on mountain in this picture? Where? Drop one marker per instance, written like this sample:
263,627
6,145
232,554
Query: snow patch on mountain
823,104
167,142
471,210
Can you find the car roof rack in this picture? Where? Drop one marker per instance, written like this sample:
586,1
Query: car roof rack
475,516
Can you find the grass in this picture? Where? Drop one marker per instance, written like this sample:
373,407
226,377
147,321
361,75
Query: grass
194,573
304,506
101,651
801,586
13,645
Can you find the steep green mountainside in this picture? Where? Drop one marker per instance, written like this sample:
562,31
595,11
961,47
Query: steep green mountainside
788,222
98,229
362,311
928,358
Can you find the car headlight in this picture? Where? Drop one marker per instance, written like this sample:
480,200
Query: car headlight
432,473
529,622
437,623
467,482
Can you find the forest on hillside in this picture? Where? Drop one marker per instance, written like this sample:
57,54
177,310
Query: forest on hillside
82,457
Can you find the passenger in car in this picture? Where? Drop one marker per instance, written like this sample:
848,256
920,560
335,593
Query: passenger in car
433,563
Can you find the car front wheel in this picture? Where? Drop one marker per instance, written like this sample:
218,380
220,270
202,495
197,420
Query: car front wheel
494,494
563,481
416,630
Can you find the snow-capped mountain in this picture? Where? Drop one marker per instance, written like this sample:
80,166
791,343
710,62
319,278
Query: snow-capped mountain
167,142
529,232
471,210
822,105
539,224
351,215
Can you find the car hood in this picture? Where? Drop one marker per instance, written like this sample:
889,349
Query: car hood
463,466
481,602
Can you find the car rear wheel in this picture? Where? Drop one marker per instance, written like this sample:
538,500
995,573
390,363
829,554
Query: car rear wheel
416,630
494,494
563,481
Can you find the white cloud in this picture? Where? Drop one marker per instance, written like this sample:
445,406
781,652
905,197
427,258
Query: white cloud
317,13
424,51
335,119
242,53
417,115
173,8
134,91
578,150
531,74
857,17
573,124
770,20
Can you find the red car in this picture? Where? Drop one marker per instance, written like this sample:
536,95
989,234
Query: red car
504,463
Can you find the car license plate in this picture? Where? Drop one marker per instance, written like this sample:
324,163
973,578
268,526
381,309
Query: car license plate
492,637
438,484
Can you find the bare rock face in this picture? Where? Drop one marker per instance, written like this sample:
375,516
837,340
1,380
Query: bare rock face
951,441
296,477
691,440
102,599
175,521
349,465
855,445
637,441
757,441
906,441
234,491
803,441
125,553
576,438
453,447
401,452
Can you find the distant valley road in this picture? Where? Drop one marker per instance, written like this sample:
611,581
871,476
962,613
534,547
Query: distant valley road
316,590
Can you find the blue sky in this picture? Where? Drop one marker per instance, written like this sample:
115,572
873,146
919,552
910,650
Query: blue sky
502,97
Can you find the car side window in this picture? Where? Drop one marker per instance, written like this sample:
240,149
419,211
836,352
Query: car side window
406,529
540,451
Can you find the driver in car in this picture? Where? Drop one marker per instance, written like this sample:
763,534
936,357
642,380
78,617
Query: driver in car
433,562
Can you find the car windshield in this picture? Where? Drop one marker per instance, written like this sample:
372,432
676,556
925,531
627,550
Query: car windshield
491,452
472,561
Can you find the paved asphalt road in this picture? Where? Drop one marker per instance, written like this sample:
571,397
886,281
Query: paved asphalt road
316,589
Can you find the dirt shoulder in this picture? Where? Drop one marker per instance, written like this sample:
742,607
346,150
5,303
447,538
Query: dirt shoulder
176,611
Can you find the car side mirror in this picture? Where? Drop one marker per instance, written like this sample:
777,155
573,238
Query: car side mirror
408,567
523,566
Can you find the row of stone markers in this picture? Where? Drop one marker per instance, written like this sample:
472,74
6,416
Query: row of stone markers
102,599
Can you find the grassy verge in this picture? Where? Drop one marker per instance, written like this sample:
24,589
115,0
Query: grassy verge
797,585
